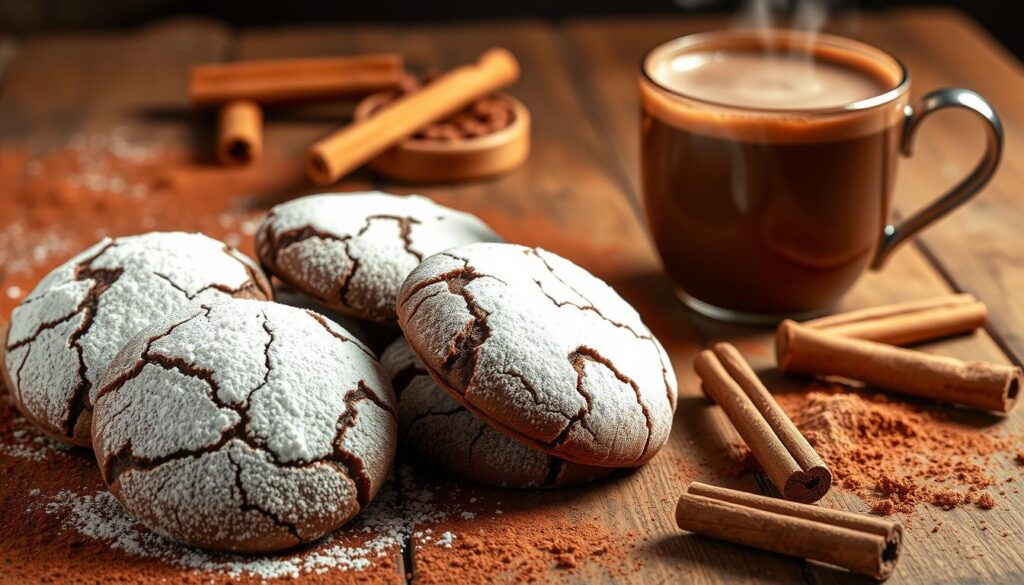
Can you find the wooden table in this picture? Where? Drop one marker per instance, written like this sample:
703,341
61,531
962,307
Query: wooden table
578,196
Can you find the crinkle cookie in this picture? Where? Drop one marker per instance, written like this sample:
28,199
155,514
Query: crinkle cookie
441,433
351,252
66,331
244,426
542,351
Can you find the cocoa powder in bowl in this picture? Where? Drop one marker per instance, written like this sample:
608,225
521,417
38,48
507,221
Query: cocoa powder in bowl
484,116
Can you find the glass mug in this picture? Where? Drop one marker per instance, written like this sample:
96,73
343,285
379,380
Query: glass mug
766,192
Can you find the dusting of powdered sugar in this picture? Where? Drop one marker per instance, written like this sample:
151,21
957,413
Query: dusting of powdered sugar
244,425
541,348
68,329
24,441
441,434
351,252
394,519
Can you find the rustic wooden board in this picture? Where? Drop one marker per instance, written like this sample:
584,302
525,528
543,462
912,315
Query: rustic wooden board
576,196
578,211
567,199
609,54
54,89
8,49
64,90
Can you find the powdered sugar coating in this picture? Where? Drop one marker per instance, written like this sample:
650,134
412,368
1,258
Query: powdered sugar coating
541,350
352,251
69,328
244,426
441,434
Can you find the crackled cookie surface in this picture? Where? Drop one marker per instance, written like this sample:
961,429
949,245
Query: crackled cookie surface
541,350
244,426
443,435
66,331
351,252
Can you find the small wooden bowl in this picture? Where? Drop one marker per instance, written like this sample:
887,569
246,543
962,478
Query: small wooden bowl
432,161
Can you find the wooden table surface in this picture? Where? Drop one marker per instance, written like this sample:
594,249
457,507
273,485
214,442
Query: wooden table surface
579,196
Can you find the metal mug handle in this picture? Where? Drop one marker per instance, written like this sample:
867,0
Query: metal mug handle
894,235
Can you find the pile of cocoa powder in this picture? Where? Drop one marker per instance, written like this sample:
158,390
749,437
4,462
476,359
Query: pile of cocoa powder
896,455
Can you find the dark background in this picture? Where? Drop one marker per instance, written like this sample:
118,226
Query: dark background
1001,18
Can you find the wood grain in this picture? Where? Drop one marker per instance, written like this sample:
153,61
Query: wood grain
578,196
609,54
942,49
564,200
56,88
8,49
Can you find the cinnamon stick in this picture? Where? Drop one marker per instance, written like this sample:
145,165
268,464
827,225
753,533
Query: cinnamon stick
240,132
987,386
861,544
340,153
908,323
791,463
294,80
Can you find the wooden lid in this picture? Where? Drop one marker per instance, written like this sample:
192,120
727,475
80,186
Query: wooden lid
431,161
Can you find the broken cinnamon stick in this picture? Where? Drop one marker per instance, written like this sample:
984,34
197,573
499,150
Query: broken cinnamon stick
987,386
342,152
791,463
294,80
239,132
908,323
861,544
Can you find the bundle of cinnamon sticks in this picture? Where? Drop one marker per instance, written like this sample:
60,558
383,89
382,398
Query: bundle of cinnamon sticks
240,90
859,543
863,346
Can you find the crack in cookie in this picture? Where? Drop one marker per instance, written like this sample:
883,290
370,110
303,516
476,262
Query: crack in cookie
520,349
444,436
578,358
248,505
116,288
270,422
555,467
323,322
351,252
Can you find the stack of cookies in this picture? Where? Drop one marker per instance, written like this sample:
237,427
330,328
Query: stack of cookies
231,422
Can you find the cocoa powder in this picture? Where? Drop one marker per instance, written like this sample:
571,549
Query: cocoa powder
58,202
897,455
525,546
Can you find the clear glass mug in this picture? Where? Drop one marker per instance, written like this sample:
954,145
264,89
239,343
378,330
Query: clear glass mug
761,214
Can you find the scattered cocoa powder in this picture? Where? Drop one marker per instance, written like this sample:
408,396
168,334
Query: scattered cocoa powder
58,202
525,546
897,455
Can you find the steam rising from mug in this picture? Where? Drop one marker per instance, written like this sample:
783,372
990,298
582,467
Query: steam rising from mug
808,16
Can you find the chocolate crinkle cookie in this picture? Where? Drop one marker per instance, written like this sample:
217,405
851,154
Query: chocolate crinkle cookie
65,332
351,251
244,426
443,435
542,351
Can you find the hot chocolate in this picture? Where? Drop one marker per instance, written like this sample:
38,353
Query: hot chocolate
765,189
754,79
